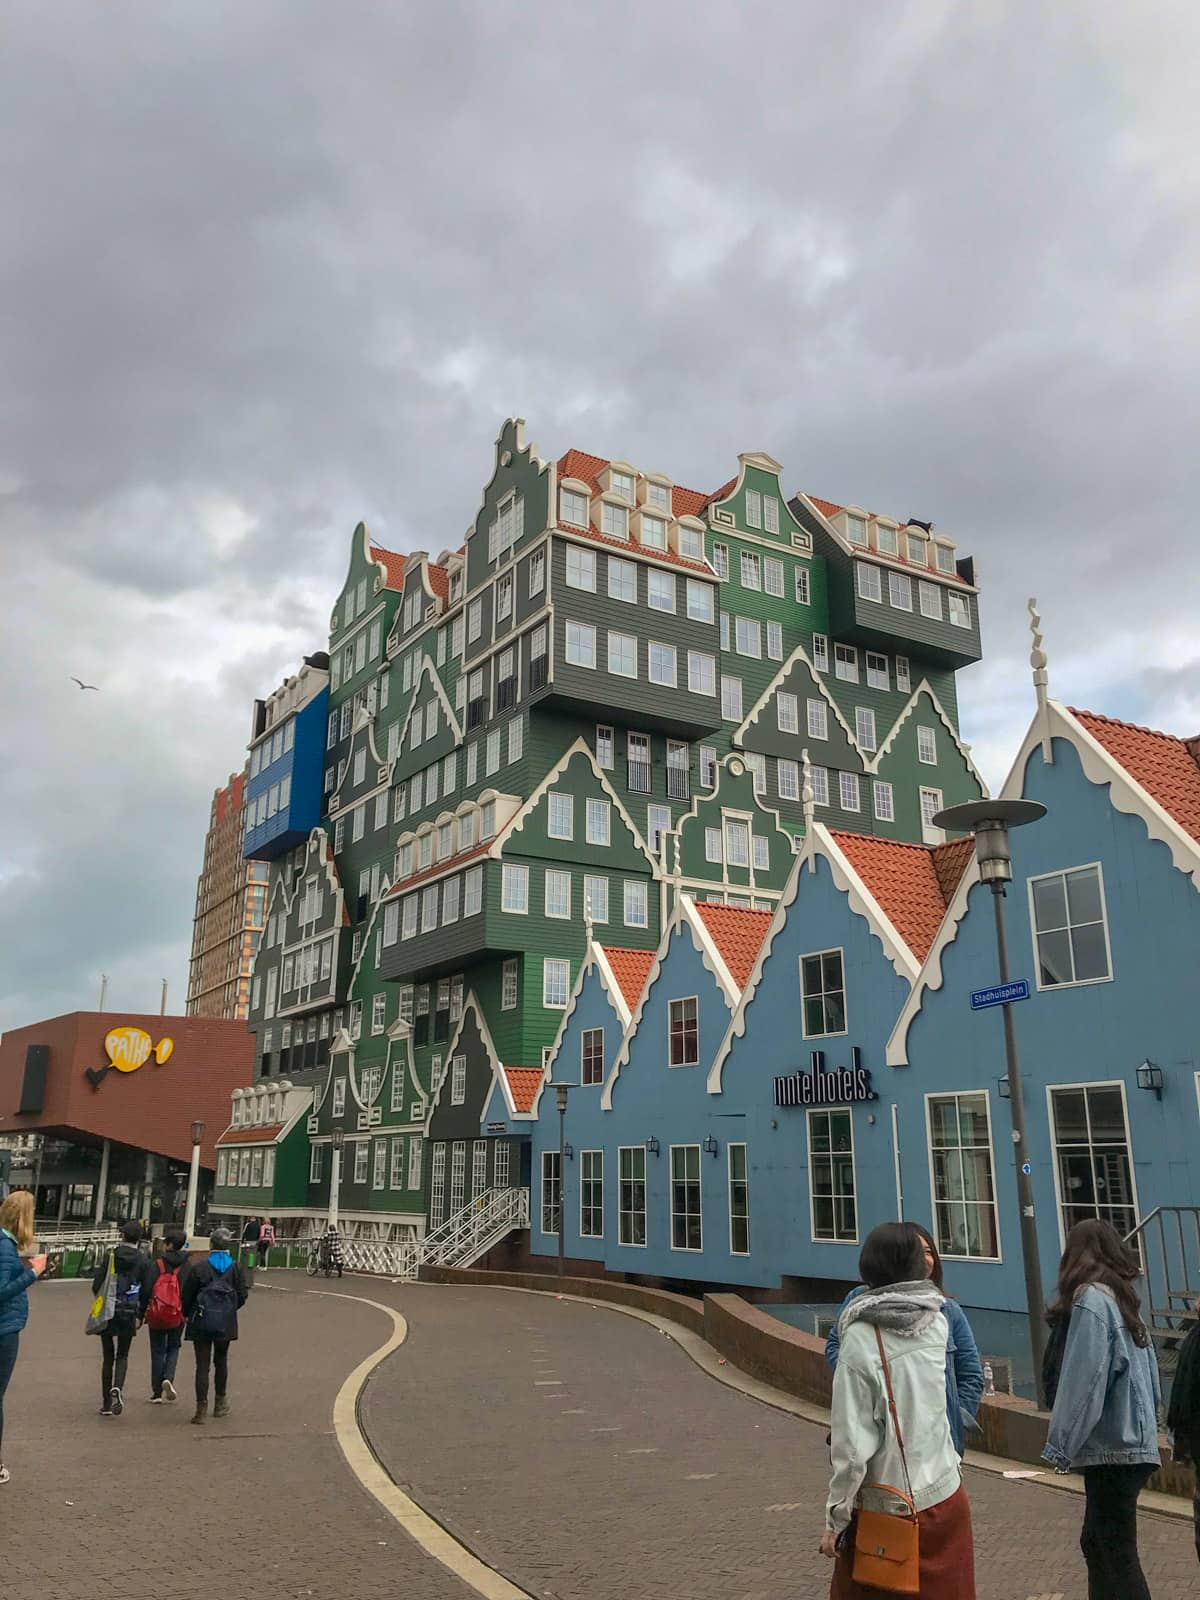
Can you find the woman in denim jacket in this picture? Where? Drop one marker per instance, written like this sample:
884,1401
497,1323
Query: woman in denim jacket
1105,1418
964,1370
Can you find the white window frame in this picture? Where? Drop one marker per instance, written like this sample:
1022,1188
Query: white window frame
1076,983
737,1144
685,1249
830,1111
929,760
955,1094
549,962
583,1156
1089,1083
881,789
555,876
870,582
568,808
644,1213
809,955
514,873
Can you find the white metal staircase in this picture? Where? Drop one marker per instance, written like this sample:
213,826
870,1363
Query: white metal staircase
473,1231
459,1242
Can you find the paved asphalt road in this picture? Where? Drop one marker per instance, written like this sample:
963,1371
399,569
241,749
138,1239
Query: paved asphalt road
575,1449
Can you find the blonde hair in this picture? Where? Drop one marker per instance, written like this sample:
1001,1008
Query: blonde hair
16,1217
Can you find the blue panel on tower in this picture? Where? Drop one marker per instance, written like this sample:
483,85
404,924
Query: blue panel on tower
284,792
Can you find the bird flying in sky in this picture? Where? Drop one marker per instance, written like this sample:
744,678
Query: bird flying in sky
83,685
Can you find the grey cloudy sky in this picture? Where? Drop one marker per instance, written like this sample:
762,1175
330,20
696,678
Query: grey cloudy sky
266,269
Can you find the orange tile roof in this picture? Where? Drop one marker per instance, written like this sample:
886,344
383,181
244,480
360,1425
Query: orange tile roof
825,507
828,509
404,885
393,566
1162,764
523,1085
950,861
684,503
260,1135
630,968
439,581
738,935
906,882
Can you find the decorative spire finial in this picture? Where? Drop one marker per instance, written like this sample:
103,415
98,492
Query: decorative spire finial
1037,656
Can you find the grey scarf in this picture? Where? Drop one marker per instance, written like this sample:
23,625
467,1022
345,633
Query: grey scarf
902,1308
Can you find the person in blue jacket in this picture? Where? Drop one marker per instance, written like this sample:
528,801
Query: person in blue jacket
964,1370
16,1274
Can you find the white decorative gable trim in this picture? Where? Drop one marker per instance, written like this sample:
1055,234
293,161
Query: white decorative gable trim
524,812
931,976
924,687
799,654
470,1004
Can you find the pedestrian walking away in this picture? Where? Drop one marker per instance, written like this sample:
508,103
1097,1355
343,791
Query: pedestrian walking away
19,1267
964,1370
214,1291
897,1510
266,1238
164,1316
1183,1414
1101,1377
129,1269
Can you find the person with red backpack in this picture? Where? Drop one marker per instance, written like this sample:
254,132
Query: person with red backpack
164,1316
214,1291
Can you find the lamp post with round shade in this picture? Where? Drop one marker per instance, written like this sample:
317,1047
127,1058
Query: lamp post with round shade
337,1138
990,822
561,1091
189,1214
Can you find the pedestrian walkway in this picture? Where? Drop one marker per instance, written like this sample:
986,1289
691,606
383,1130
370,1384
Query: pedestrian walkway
585,1456
258,1507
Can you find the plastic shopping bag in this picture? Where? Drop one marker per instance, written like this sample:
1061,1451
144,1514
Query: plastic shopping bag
103,1305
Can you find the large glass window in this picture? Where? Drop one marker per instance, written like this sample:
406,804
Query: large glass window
686,1229
591,1194
1092,1156
739,1201
1069,926
683,1032
551,1192
831,1176
631,1198
964,1195
823,993
581,568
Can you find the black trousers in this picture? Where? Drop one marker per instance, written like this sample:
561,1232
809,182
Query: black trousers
211,1353
1109,1537
9,1345
115,1361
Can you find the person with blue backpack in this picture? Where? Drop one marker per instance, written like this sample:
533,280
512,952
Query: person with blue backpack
131,1271
213,1291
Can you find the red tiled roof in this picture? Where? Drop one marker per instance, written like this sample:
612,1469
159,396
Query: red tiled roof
684,503
738,935
523,1085
825,507
668,555
260,1135
828,509
908,883
393,566
630,968
439,581
404,885
1162,764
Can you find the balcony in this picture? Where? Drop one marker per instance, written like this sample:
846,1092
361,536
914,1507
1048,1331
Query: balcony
637,777
679,783
477,712
539,672
506,694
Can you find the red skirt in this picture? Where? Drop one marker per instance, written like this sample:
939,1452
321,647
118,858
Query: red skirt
947,1556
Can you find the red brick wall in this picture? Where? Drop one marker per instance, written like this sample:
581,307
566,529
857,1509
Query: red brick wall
152,1108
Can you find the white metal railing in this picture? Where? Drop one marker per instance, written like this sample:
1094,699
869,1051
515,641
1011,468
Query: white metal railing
77,1239
476,1228
398,1259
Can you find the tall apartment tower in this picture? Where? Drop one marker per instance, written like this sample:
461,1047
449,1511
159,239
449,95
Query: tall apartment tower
231,900
603,695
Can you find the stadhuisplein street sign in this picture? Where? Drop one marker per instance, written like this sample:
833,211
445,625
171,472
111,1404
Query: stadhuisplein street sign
1000,995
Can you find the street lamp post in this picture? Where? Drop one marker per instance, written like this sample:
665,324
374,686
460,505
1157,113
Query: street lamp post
990,821
337,1139
189,1214
561,1091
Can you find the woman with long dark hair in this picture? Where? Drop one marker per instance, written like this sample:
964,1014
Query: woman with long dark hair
1102,1377
890,1439
964,1370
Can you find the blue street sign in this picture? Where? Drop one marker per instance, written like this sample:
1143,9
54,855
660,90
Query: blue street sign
1026,1168
1001,994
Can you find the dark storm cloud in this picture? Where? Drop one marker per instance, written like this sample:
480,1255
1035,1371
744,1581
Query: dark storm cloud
267,269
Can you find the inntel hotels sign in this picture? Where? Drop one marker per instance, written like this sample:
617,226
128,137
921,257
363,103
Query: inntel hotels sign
838,1087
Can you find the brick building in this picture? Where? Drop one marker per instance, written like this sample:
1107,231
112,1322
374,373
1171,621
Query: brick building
231,900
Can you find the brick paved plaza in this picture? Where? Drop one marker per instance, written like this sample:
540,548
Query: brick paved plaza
575,1449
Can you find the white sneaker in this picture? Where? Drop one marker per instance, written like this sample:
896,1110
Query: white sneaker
169,1392
156,1400
5,1474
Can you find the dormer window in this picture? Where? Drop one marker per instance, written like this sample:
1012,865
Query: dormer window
856,529
466,830
944,556
573,508
622,484
654,533
691,543
614,520
487,820
455,587
658,495
886,541
914,549
445,841
426,850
